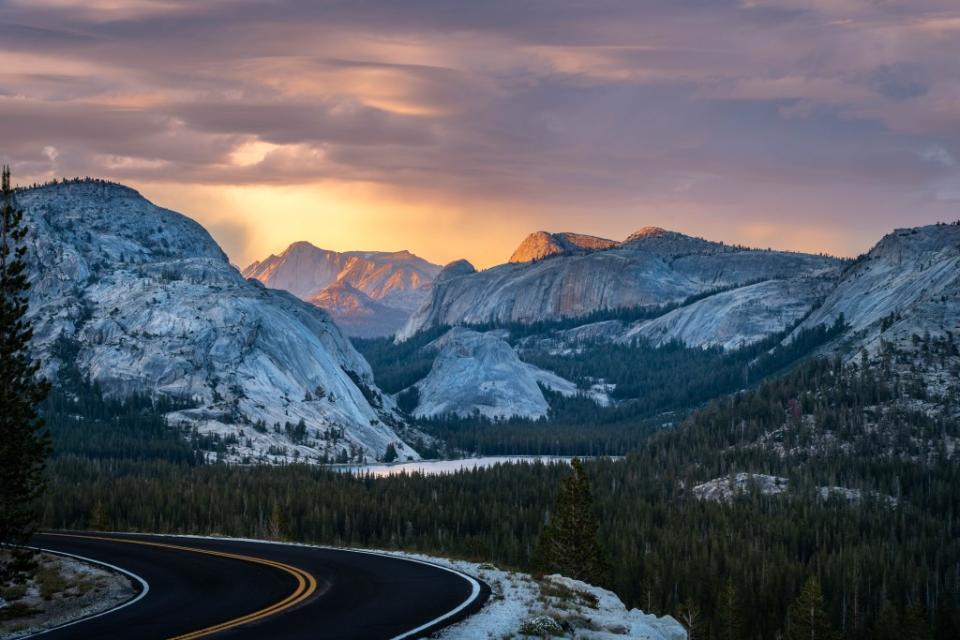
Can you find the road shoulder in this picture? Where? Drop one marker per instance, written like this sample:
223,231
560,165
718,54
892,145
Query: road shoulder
63,590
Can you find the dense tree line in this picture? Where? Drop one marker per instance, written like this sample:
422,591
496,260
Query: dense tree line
660,377
740,565
396,366
655,385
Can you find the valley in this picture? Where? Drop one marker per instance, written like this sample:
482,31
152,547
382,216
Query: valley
728,395
480,320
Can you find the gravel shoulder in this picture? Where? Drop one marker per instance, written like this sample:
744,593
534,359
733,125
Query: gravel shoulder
63,589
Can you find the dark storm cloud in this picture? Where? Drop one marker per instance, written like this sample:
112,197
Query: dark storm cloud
593,104
343,122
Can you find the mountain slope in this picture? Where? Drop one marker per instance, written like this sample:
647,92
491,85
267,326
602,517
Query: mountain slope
141,300
907,285
358,313
652,267
398,280
733,319
480,373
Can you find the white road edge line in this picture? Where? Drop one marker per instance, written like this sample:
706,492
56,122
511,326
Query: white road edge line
145,589
475,586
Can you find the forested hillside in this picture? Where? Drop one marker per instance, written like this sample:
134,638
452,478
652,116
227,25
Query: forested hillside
883,565
649,386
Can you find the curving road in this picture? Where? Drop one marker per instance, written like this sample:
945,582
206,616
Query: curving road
218,588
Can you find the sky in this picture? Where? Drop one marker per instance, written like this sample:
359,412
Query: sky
453,128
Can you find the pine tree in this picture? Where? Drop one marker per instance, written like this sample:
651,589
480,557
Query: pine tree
729,616
98,520
806,619
24,444
692,619
569,545
391,453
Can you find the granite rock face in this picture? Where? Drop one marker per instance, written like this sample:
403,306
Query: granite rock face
543,244
652,267
737,318
481,373
908,284
142,301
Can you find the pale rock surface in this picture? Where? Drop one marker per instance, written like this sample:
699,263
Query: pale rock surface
737,318
727,488
150,305
653,267
908,284
481,373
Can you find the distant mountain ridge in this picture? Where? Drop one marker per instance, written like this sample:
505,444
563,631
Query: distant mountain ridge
544,244
585,274
397,281
899,298
358,313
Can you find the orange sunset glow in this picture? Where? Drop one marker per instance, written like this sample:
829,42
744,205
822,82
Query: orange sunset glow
455,132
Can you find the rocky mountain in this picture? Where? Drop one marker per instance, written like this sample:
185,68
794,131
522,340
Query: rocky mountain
651,267
398,282
141,300
907,285
543,244
356,312
481,373
900,304
729,319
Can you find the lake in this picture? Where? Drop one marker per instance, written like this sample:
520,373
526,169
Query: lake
437,467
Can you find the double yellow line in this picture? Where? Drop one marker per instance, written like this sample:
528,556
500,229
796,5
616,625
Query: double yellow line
306,583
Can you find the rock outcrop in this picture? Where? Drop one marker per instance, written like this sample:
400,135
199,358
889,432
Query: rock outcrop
543,244
907,285
141,300
480,373
652,267
737,318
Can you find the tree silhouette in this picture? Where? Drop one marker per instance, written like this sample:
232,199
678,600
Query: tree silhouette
729,614
568,544
24,444
806,619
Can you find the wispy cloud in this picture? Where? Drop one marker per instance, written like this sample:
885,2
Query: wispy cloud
500,116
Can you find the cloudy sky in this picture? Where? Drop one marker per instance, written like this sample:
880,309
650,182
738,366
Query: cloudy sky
454,127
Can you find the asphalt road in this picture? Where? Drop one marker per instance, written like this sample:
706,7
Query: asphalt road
200,588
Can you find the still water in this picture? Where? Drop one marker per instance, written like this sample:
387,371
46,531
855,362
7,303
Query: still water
437,467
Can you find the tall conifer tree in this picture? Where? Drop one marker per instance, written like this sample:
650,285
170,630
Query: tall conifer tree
568,545
729,616
24,443
806,619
